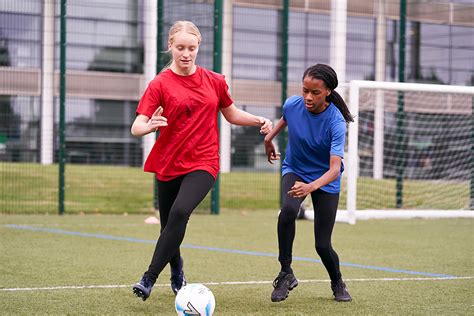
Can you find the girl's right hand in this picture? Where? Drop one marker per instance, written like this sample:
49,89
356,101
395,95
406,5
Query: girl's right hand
265,125
270,151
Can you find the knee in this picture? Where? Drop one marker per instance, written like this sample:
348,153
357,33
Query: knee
179,215
323,249
287,214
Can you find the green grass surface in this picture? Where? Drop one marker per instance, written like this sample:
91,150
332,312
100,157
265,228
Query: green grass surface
39,259
33,188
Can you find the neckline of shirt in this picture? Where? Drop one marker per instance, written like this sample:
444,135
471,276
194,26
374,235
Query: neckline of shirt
320,113
191,81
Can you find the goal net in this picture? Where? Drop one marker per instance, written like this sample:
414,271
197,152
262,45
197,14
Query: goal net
409,148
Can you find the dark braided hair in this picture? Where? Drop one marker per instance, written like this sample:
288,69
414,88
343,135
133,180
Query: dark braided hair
329,76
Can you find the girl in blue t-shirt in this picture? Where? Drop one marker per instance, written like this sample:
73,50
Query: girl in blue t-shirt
313,165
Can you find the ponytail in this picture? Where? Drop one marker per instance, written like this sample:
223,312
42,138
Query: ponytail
338,101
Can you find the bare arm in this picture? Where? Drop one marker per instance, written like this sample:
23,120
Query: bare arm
278,127
236,116
144,125
269,147
301,189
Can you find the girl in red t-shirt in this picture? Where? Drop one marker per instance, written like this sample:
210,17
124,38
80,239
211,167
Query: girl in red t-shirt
183,104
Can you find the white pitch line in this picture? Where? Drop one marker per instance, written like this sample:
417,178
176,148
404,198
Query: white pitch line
81,287
69,287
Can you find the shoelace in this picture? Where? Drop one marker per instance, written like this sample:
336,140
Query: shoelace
340,286
277,280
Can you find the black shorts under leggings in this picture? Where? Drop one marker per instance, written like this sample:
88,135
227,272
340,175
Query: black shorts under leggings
177,199
325,207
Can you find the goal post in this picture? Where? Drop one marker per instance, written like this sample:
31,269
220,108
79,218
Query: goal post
428,144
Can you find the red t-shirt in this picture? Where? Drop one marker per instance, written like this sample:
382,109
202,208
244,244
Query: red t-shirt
191,104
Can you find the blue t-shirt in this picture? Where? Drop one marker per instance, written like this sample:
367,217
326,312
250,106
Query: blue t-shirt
312,139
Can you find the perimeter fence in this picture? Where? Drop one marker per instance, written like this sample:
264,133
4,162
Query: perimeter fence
113,48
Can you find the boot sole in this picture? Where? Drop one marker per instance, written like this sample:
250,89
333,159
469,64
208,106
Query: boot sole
139,293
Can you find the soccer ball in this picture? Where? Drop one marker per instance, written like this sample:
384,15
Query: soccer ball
195,299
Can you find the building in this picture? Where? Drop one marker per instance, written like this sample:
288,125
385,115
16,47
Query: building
111,54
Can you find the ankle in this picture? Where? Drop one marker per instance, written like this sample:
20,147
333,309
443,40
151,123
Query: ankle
287,270
150,278
177,268
337,281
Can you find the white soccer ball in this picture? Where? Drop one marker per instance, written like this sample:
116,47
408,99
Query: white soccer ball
195,299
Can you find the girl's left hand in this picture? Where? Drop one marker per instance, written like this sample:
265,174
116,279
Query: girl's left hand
300,190
266,125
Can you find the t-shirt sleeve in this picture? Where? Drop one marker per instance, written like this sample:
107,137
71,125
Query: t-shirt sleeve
338,133
284,110
287,105
150,100
225,99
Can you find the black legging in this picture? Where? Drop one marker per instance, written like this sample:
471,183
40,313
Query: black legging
325,207
177,199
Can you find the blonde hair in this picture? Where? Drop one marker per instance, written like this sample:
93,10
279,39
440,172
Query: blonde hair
181,26
185,26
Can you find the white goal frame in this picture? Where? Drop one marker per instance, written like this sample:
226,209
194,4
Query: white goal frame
353,137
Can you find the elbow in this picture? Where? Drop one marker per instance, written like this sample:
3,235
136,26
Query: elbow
134,131
335,174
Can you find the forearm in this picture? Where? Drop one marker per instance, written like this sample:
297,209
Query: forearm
274,132
239,117
140,127
328,177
